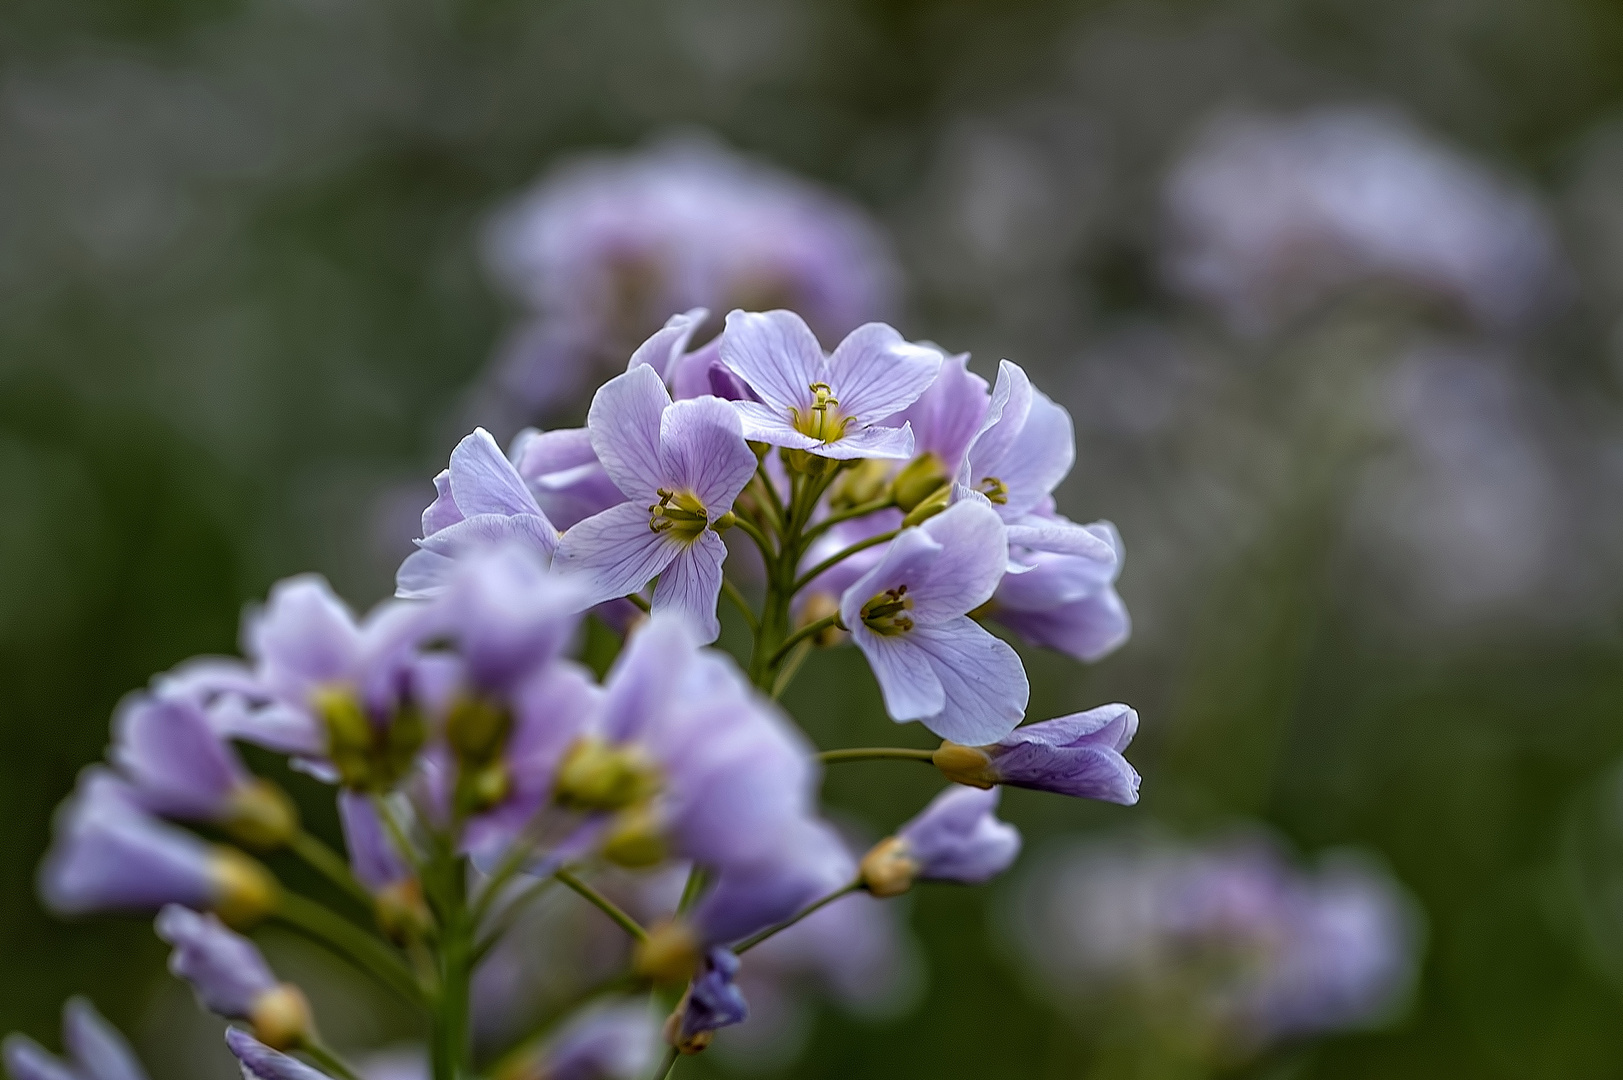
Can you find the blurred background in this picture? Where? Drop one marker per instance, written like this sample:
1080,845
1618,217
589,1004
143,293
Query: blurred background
1333,291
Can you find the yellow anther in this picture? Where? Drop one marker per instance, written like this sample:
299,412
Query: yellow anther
821,420
968,765
889,868
995,490
886,614
679,513
243,892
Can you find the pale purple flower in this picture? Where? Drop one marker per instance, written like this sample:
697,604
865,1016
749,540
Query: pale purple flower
713,1000
110,855
959,838
680,465
616,1042
373,857
563,474
1065,602
608,245
1078,755
1272,215
909,617
227,971
175,761
260,1062
830,406
946,418
96,1050
482,501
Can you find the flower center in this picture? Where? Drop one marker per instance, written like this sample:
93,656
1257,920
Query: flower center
679,513
886,614
995,490
822,421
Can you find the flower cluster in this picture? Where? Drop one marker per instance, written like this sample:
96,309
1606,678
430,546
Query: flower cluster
892,500
1228,946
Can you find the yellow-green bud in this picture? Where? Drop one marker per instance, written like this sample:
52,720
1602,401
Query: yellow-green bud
597,776
922,477
636,838
481,787
477,728
968,765
280,1017
862,483
889,868
401,912
808,464
244,891
367,757
668,955
929,507
724,522
261,816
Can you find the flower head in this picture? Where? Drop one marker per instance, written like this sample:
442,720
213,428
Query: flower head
230,976
1077,755
680,465
96,1051
909,616
830,406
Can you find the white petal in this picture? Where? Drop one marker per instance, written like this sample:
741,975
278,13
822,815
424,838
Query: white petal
483,481
776,353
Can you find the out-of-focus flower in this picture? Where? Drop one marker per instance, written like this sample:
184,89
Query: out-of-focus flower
609,245
831,406
680,465
260,1062
96,1051
1272,215
713,1001
110,855
957,838
908,615
1077,755
1228,939
610,1042
231,978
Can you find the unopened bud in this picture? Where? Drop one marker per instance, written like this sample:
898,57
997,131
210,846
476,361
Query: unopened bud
669,954
862,483
595,775
968,765
636,839
261,816
401,911
923,477
724,522
685,1044
888,869
244,891
481,788
349,734
929,507
808,464
280,1017
819,606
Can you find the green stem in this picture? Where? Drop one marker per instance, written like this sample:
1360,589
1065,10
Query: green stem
445,883
331,865
322,1055
770,501
350,941
640,602
834,560
748,528
731,592
873,507
790,668
666,1064
603,904
750,942
691,891
875,753
810,630
507,917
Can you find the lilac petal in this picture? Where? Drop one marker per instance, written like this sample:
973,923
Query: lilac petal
624,425
1078,755
27,1060
1039,458
275,725
875,372
1011,404
1087,629
891,444
178,763
690,585
959,838
426,571
906,561
483,481
714,999
619,1042
304,636
443,510
947,416
509,616
702,450
260,1062
972,557
225,969
564,475
372,854
811,862
763,423
615,553
1062,537
664,349
982,680
645,675
776,353
908,681
100,1051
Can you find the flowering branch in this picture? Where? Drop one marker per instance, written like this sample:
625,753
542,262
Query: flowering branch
349,941
875,753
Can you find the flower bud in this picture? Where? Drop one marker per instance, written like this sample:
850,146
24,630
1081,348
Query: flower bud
260,815
243,891
597,776
691,1043
477,728
669,954
921,478
818,606
636,839
968,765
861,484
889,868
929,507
724,522
401,911
368,757
281,1017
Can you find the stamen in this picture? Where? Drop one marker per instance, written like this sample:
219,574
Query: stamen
822,421
995,490
885,613
679,513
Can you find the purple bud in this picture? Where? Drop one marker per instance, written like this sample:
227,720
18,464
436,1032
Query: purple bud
96,1050
959,838
1078,755
260,1062
615,1043
225,969
713,1000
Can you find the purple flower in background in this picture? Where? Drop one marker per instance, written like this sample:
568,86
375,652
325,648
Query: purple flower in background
1273,215
1063,602
617,1042
609,245
230,976
482,500
260,1062
110,855
96,1051
713,1000
680,466
957,838
1256,949
1078,755
909,617
830,406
